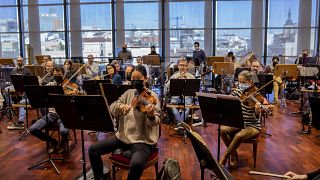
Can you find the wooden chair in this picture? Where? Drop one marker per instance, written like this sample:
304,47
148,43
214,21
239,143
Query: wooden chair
122,162
254,141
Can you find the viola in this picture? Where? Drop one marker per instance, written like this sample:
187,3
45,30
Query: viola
249,95
69,87
141,101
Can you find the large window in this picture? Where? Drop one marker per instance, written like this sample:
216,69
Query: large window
9,36
186,27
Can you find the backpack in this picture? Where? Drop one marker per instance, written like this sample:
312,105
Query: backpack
170,170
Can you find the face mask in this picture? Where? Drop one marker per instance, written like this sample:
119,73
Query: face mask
128,77
124,49
58,79
244,86
138,84
274,63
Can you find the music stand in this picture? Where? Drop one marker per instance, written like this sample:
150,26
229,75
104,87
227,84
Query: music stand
213,59
7,62
238,71
223,68
83,113
92,86
112,92
39,58
151,59
38,98
287,71
204,156
37,70
222,105
183,88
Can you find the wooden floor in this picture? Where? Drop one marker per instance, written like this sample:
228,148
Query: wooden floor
285,150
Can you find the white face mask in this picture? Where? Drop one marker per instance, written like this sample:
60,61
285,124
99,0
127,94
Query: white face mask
244,86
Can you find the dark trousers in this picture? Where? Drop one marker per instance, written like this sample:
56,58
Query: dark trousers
139,155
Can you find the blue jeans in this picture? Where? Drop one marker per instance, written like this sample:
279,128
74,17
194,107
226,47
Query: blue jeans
37,127
22,110
176,113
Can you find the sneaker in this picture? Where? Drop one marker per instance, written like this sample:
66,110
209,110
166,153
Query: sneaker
16,126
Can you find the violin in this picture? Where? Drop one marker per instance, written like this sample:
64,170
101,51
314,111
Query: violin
141,101
70,88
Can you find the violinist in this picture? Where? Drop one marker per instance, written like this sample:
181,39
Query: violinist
182,74
112,73
68,71
138,129
51,118
233,137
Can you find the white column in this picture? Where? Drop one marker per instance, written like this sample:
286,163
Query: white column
304,22
208,28
34,27
167,31
120,35
257,20
75,28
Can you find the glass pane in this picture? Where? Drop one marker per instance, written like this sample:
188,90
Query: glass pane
8,2
141,15
312,41
26,2
181,41
53,43
229,16
96,17
99,44
51,18
141,41
25,19
9,45
8,19
89,1
282,42
283,13
186,14
237,41
314,13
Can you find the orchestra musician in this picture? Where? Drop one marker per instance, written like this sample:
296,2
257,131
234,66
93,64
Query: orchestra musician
182,74
48,77
112,74
128,71
45,59
198,54
92,68
233,137
138,131
20,70
125,55
68,71
277,83
1,100
52,117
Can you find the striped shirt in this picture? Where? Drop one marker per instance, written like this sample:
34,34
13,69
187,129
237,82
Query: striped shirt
249,116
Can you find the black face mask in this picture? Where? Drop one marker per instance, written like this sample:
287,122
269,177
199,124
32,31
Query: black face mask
274,63
128,77
138,84
58,79
124,49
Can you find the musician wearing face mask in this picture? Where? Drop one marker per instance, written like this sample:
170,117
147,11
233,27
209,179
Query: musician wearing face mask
125,54
138,131
51,118
182,74
128,71
233,137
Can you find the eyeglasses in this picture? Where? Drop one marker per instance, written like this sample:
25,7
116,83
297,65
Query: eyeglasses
183,65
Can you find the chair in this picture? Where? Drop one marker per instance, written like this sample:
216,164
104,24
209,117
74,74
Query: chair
122,162
55,128
205,158
254,141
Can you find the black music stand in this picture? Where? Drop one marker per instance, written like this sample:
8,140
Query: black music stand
92,86
38,98
204,156
216,108
83,113
183,88
27,80
112,92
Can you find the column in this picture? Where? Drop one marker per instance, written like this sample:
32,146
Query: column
208,28
34,27
304,23
120,34
75,29
257,20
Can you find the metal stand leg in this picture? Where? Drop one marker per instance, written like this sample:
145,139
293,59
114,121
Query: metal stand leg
26,131
48,160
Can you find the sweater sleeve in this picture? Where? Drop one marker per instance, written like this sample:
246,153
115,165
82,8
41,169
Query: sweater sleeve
1,101
313,174
115,106
154,121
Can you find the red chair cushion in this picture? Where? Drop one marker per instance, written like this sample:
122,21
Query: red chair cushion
120,158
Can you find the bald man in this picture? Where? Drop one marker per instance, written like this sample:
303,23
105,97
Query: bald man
125,54
21,70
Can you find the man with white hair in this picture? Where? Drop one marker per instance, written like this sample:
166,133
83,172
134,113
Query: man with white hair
92,68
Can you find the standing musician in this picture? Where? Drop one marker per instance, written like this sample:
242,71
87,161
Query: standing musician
233,137
138,129
277,83
182,74
52,117
199,54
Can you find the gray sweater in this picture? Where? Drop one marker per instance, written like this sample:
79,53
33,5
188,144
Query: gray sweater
135,127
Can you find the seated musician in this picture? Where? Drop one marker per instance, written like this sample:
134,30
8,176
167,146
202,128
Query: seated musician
278,83
116,64
233,137
20,70
48,76
314,175
128,71
138,131
182,74
112,74
45,59
52,117
68,71
92,68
